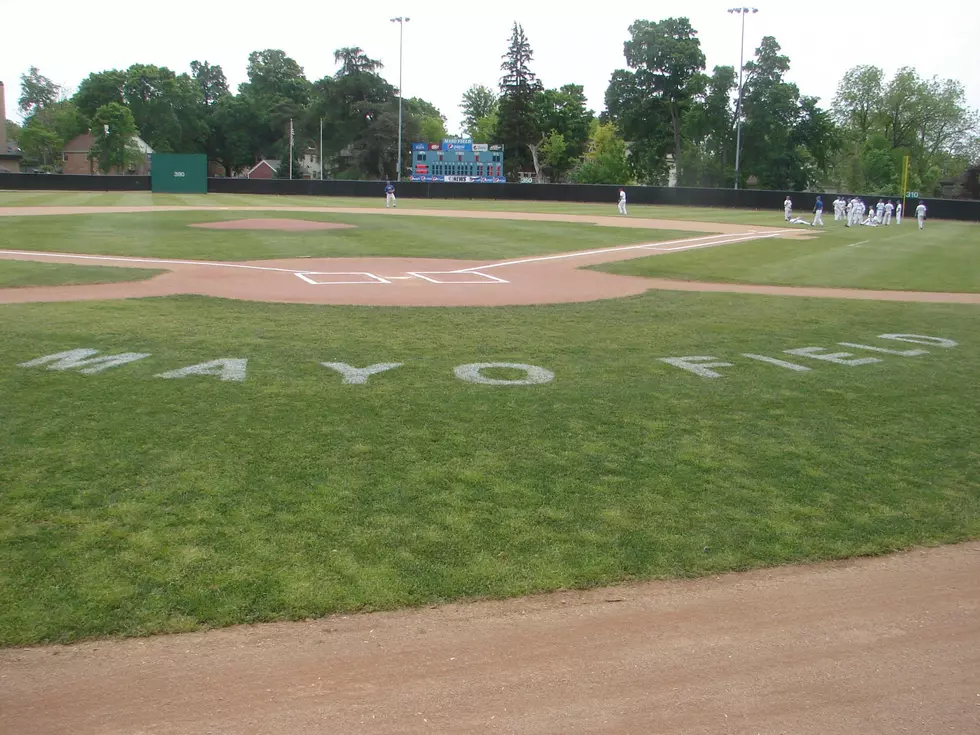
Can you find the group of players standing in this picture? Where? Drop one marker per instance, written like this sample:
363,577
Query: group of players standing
856,212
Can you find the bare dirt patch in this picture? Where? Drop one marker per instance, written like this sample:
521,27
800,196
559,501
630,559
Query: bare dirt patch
550,279
881,645
272,223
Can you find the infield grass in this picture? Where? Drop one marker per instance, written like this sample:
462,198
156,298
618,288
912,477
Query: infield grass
16,273
168,235
133,505
945,256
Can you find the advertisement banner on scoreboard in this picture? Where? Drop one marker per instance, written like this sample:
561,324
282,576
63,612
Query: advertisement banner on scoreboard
457,144
459,179
478,147
420,146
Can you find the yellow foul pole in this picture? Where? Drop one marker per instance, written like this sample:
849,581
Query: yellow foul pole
905,177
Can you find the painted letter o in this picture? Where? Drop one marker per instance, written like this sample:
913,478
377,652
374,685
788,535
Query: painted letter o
534,375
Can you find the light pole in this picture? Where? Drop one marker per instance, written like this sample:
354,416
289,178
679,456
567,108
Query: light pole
401,21
738,109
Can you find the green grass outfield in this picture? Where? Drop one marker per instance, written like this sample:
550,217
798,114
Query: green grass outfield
945,256
167,235
773,218
133,504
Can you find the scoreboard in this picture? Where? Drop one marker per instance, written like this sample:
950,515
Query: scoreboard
458,160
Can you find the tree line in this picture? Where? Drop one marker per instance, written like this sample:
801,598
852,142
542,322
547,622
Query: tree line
664,115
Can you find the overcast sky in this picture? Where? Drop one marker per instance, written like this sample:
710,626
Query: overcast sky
451,45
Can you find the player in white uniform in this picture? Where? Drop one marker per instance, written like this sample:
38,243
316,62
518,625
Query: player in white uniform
920,213
849,210
839,205
898,213
889,208
622,201
881,211
788,209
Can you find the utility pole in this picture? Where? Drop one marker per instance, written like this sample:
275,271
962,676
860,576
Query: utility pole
738,108
321,149
401,21
290,148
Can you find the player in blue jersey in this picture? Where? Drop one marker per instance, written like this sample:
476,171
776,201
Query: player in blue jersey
390,195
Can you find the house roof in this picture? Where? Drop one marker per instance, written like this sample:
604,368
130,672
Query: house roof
81,144
84,142
270,162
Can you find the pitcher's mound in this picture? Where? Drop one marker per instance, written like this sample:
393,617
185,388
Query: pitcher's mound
281,225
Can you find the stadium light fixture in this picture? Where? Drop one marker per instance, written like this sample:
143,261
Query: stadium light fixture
738,109
401,21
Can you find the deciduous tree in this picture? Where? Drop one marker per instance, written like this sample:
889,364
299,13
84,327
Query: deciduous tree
478,103
98,89
36,91
114,129
605,162
210,80
666,56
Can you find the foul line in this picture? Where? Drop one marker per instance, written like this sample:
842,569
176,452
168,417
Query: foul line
686,244
148,260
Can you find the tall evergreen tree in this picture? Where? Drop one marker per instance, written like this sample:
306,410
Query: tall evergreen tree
517,127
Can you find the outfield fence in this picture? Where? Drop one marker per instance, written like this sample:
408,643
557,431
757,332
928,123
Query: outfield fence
952,209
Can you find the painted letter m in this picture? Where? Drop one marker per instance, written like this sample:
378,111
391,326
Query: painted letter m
84,359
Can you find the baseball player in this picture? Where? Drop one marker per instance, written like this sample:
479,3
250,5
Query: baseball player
889,209
880,215
788,209
920,213
898,213
839,205
390,196
818,212
622,201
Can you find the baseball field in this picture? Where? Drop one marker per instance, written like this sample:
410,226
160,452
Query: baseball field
263,419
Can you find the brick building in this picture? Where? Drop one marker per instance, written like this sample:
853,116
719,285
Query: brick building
9,152
264,169
75,158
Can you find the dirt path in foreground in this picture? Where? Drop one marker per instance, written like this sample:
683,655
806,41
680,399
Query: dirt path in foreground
885,645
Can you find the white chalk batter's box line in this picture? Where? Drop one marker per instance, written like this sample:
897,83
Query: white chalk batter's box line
340,278
316,278
482,277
